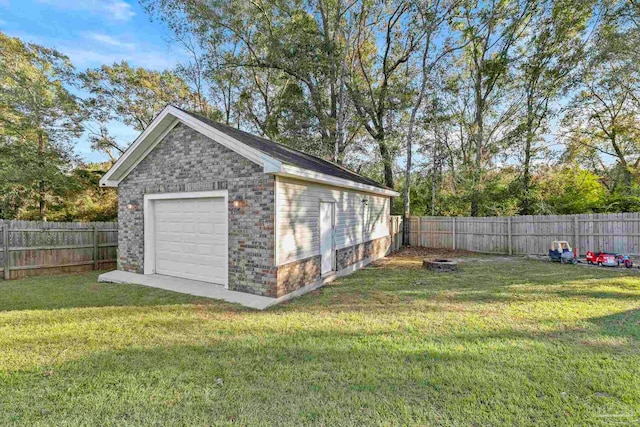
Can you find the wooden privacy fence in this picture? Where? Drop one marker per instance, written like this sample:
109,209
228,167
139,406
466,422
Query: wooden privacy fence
395,230
531,234
31,248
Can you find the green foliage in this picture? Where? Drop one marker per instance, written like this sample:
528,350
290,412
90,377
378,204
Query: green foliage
87,202
569,190
530,83
39,118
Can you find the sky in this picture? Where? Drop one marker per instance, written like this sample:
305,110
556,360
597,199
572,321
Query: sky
93,33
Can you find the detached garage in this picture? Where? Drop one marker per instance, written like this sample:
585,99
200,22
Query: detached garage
206,202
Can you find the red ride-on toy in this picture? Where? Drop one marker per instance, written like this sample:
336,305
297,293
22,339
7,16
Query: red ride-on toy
608,260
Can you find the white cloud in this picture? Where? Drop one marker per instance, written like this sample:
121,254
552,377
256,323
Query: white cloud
115,10
152,59
120,10
109,40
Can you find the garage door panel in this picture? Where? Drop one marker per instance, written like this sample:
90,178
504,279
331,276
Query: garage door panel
191,239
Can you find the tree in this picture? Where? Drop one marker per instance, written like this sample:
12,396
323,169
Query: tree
492,29
603,118
434,15
39,118
134,96
292,59
387,34
551,54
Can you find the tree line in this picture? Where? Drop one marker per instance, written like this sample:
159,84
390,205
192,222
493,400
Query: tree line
467,107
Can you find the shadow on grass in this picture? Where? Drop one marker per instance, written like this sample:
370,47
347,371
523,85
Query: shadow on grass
500,282
624,325
324,378
83,290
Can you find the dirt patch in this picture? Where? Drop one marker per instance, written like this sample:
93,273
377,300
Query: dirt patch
415,251
410,258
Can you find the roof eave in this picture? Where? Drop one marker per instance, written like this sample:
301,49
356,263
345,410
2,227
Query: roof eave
170,116
308,175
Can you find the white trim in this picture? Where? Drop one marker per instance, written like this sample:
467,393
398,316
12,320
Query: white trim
149,223
106,180
276,225
161,126
222,138
308,175
147,150
170,116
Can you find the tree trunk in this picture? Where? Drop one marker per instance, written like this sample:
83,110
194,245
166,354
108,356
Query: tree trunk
42,203
526,179
407,190
525,209
475,191
387,161
623,161
435,171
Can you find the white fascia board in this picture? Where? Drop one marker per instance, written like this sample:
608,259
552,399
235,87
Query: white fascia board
160,127
307,175
108,179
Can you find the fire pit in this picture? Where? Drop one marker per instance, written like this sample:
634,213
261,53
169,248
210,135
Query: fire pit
440,265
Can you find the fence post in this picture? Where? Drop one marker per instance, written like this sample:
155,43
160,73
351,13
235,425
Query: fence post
5,250
509,245
453,231
95,247
576,234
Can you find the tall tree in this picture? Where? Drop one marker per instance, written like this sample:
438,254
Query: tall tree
302,44
603,118
134,96
551,54
387,34
434,17
39,118
492,28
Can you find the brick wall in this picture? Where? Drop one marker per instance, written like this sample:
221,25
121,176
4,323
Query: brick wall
374,248
189,161
298,274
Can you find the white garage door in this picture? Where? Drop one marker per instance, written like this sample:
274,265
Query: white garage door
191,239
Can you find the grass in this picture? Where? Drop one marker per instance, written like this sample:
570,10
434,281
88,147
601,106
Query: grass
503,342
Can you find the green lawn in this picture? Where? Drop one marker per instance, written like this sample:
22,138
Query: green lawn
499,343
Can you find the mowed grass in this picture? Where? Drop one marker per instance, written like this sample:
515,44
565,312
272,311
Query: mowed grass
503,342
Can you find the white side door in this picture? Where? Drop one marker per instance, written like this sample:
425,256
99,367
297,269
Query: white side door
326,236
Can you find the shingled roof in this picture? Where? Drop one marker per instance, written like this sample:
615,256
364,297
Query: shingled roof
288,155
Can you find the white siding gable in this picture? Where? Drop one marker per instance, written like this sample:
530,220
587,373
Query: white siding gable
297,218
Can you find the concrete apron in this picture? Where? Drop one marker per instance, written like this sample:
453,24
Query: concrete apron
188,286
209,290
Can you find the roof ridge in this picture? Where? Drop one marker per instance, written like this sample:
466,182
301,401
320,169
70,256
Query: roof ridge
285,147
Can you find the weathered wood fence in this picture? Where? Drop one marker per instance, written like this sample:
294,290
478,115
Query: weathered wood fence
396,230
530,234
31,248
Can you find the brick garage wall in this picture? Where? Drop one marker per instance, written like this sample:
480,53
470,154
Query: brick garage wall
351,255
189,161
298,274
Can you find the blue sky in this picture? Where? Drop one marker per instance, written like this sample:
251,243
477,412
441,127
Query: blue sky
92,33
